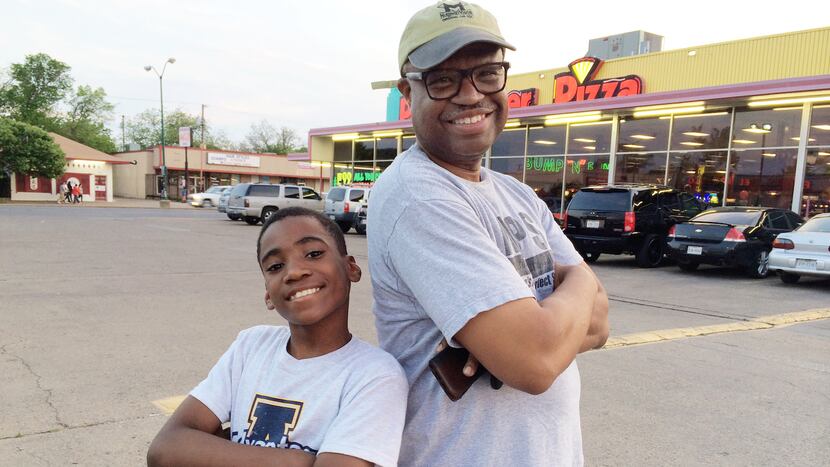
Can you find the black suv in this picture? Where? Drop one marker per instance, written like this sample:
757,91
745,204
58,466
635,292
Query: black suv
627,219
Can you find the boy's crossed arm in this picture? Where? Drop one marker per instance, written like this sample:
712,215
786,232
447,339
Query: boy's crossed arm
188,439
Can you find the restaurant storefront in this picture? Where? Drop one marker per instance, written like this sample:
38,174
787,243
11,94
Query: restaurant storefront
740,123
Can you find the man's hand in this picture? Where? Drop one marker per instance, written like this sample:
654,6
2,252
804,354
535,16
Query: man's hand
599,328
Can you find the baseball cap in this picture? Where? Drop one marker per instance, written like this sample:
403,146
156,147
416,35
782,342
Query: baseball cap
435,33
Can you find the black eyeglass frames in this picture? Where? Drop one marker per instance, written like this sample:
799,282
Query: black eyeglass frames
443,84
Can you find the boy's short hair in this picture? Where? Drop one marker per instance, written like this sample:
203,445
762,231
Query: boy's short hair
328,224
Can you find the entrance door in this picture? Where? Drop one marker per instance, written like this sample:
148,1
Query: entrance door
100,188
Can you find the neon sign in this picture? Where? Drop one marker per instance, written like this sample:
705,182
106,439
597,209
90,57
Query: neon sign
557,164
578,84
349,178
522,98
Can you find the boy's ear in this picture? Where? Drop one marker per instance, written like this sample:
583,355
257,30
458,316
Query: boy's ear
354,272
268,303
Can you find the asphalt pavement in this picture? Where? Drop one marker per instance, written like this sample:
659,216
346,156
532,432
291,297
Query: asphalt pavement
106,311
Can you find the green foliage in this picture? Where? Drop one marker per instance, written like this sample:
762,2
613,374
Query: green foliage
34,88
144,128
85,119
265,137
27,149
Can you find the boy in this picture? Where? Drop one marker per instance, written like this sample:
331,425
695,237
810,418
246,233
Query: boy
325,397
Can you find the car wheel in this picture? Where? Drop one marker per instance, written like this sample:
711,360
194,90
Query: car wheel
788,277
267,213
589,256
651,252
344,226
687,265
233,217
760,265
251,220
207,203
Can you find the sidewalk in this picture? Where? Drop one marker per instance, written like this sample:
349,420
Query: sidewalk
116,203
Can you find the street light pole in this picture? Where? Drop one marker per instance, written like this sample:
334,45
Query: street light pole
161,97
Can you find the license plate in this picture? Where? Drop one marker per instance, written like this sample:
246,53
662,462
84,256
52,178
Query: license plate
809,264
592,224
694,250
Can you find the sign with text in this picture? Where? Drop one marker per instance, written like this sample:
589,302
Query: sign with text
578,84
185,136
521,98
238,160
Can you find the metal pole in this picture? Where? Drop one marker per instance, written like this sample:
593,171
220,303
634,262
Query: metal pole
163,160
186,177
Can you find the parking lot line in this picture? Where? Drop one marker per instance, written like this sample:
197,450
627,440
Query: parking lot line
169,404
762,322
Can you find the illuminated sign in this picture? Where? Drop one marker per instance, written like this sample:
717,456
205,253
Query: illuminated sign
349,178
578,84
523,98
557,164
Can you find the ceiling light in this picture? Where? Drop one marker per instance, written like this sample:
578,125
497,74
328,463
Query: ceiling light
822,153
768,154
744,141
645,137
822,127
345,136
690,143
590,148
691,172
545,142
604,122
798,138
572,118
512,124
387,134
668,111
699,116
695,133
633,146
797,100
585,140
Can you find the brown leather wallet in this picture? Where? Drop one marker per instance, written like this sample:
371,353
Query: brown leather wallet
448,368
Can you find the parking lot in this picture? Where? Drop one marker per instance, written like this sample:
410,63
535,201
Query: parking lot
106,311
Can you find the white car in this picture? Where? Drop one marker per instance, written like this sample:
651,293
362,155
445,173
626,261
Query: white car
804,251
209,198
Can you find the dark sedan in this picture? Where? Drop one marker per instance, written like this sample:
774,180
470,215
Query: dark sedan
734,236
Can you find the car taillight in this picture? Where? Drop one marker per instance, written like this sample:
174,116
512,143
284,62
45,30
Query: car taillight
346,206
783,244
672,230
734,235
630,222
247,204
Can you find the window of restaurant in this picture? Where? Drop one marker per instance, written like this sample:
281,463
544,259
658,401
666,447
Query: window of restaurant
641,150
511,142
512,166
762,177
699,173
587,157
386,148
343,151
704,131
816,196
407,142
766,128
545,163
364,149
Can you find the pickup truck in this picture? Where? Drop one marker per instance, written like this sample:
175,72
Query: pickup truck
256,202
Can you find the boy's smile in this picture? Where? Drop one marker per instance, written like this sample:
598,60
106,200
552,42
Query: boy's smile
307,279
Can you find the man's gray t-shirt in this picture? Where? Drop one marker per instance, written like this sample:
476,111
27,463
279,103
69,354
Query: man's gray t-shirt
441,250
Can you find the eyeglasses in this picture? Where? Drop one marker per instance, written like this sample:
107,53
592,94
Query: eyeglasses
489,78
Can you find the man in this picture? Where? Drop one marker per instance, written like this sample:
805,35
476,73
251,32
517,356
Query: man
461,253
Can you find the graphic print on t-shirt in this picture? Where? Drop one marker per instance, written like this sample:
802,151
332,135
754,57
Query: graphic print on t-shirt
537,270
270,422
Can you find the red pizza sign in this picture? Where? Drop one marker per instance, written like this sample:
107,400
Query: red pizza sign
578,84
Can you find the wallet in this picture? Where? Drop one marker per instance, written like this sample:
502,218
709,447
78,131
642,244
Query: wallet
448,366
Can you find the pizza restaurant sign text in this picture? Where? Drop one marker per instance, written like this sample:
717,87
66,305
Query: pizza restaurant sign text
578,83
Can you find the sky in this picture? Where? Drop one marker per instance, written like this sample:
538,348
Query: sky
308,64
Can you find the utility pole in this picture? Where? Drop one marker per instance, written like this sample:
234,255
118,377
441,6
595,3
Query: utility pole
123,135
203,146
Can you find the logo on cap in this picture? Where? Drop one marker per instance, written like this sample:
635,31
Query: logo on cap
454,11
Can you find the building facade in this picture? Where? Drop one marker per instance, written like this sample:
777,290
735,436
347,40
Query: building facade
738,123
87,167
141,177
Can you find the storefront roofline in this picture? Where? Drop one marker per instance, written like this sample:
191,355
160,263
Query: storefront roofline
97,160
261,174
714,93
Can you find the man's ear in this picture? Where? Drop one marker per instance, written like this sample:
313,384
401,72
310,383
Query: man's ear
405,89
354,272
268,303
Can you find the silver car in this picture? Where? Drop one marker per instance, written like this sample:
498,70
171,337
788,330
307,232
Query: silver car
804,251
209,198
343,203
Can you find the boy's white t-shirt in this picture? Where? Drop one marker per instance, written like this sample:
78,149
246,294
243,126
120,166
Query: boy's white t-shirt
351,401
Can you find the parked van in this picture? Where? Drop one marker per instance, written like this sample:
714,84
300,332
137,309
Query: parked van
256,202
343,203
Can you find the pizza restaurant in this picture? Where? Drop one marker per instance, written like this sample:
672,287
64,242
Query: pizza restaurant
744,122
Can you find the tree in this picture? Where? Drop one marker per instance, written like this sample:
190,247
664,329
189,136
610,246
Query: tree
265,137
34,88
144,129
84,121
27,149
